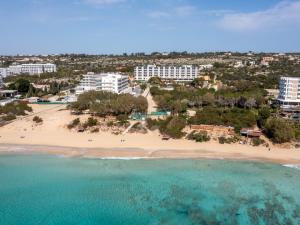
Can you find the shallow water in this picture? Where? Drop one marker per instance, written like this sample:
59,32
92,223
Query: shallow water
50,190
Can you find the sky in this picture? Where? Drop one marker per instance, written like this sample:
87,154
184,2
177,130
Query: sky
126,26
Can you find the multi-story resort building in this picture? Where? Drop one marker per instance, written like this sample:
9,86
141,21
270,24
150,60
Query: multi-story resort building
112,82
177,73
3,72
1,81
30,69
289,91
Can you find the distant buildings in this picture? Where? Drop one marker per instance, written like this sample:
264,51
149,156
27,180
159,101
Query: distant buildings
112,82
8,93
289,91
177,73
206,67
239,64
1,81
3,72
30,69
267,60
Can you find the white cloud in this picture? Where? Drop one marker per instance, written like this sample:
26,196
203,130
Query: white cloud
217,12
173,12
158,14
184,10
282,14
104,2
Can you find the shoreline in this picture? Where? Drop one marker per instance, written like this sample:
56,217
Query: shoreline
135,154
52,137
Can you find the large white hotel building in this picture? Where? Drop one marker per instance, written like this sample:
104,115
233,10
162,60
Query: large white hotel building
177,73
30,69
289,91
112,82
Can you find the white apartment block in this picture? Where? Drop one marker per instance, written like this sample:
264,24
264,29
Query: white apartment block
112,82
177,73
289,91
1,81
31,69
3,72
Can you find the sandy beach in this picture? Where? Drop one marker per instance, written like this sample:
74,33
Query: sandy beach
52,137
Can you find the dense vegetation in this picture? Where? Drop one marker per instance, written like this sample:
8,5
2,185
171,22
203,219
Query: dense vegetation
25,88
21,85
235,117
198,136
172,126
106,103
181,98
243,104
262,76
11,110
280,130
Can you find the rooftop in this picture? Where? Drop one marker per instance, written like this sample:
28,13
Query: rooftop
8,91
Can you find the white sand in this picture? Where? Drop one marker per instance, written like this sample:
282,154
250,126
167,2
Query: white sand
52,132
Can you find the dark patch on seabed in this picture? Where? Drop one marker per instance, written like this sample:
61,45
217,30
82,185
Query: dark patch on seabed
49,191
229,207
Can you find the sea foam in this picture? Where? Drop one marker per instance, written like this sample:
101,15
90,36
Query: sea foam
294,166
124,158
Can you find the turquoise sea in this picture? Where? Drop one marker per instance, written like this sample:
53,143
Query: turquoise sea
48,190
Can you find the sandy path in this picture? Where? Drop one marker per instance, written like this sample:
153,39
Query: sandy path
151,104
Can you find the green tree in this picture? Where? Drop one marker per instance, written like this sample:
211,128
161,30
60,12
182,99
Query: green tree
21,85
279,130
263,114
198,82
107,103
31,91
155,81
174,126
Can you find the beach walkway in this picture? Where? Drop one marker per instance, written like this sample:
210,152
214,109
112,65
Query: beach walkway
151,104
128,128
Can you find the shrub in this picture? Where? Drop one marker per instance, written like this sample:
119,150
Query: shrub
95,130
173,127
235,117
122,117
110,123
279,130
152,124
263,114
9,117
91,122
257,141
74,123
138,128
199,136
16,108
122,120
37,119
229,140
143,86
222,140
